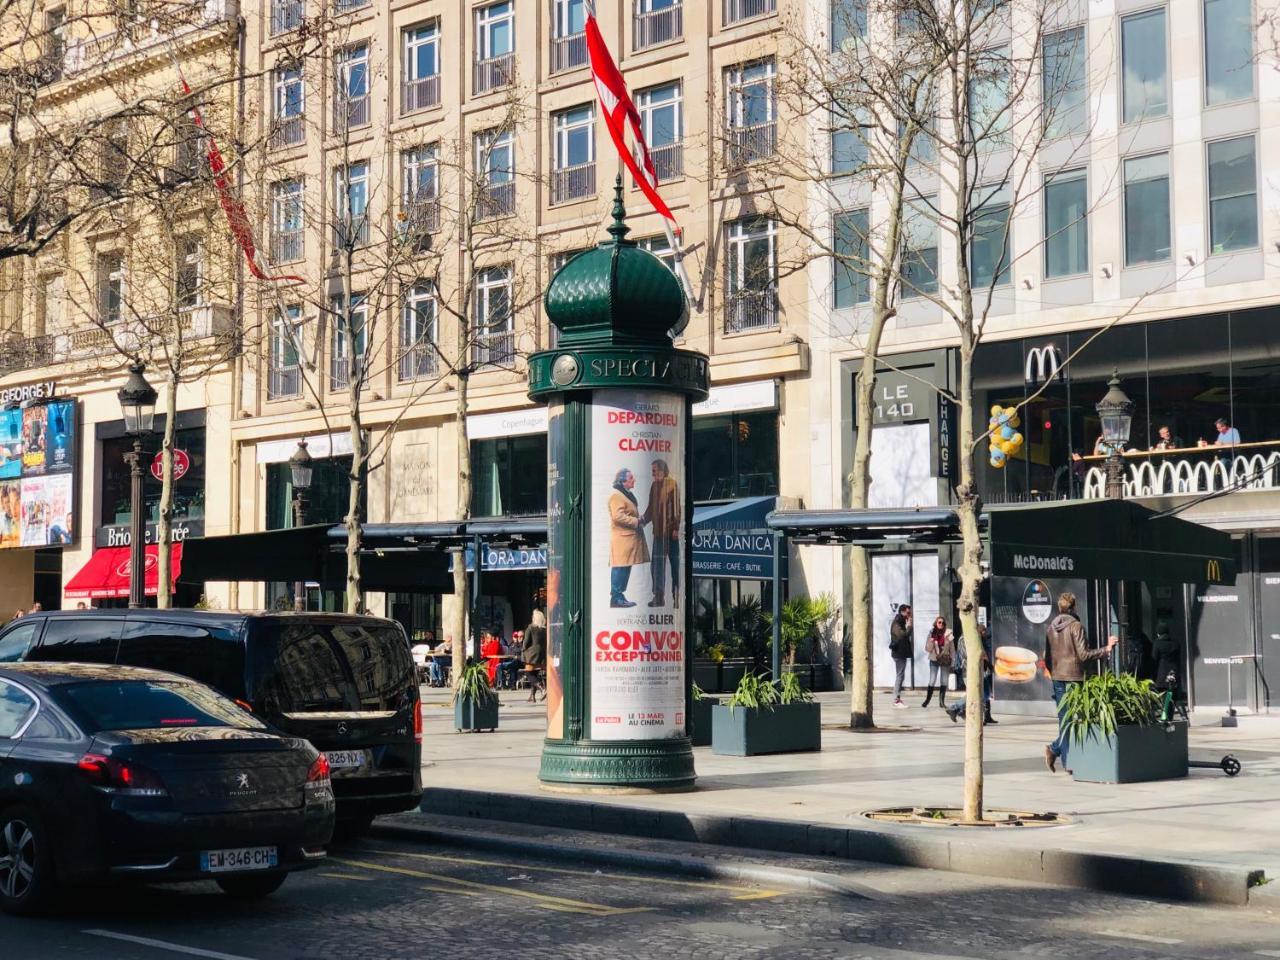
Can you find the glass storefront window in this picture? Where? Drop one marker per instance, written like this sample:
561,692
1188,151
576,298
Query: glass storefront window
734,455
509,476
327,497
188,491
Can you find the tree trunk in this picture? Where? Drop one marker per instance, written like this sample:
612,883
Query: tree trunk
969,506
458,623
164,528
355,531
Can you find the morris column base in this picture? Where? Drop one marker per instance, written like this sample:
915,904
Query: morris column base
622,766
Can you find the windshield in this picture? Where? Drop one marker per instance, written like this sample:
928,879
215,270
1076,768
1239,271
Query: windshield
151,704
310,666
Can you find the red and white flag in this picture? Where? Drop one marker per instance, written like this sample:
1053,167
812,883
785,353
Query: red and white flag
619,111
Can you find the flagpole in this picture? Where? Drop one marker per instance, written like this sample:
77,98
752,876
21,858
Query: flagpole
677,256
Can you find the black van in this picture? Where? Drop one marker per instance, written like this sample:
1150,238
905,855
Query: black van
345,683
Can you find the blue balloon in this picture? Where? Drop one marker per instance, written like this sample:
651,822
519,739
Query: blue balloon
997,457
1006,432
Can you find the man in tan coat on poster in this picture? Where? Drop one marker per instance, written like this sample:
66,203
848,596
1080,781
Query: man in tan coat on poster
664,514
627,546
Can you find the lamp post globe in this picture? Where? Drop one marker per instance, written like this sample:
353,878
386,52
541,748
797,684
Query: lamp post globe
300,467
300,471
138,405
1115,412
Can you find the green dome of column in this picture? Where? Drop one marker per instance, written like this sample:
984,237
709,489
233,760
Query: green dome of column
615,294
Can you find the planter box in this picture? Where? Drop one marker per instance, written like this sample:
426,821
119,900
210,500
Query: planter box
1133,755
722,677
700,721
470,715
813,676
748,731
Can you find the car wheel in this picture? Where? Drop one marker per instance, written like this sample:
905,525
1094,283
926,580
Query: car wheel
27,880
252,888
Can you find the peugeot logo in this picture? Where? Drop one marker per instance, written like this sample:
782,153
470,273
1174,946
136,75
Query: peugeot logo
1042,364
342,728
242,781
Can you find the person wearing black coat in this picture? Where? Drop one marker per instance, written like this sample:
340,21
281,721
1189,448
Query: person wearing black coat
534,653
902,649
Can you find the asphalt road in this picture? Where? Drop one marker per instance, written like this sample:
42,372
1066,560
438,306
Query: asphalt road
389,898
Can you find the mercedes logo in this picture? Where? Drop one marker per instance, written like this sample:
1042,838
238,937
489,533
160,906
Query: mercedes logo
342,729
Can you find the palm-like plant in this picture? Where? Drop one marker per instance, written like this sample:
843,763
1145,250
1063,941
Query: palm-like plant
1108,701
473,685
803,621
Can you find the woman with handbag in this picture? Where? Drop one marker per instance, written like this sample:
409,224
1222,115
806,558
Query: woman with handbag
941,648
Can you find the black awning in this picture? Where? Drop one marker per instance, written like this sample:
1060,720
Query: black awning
870,528
296,554
415,571
1107,539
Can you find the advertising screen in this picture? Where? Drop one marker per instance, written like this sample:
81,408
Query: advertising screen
37,474
10,444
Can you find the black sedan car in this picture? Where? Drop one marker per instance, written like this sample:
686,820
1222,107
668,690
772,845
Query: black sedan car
121,773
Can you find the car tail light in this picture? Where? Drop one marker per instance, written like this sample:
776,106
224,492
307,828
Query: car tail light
417,721
319,769
121,777
244,705
318,786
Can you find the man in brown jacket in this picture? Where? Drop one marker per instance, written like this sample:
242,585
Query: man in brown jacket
664,514
627,546
1066,651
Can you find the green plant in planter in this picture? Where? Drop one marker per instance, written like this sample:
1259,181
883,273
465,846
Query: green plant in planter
473,685
1108,701
698,692
791,691
754,692
804,619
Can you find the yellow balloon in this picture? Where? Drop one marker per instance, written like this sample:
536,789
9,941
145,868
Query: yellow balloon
1008,446
1016,439
1015,421
995,409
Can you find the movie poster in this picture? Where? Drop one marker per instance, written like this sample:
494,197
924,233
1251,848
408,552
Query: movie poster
35,421
1023,609
636,638
10,444
555,566
60,429
10,514
46,511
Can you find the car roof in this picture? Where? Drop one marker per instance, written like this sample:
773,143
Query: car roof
221,617
48,674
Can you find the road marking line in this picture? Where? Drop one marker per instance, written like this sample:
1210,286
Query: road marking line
598,909
1267,953
747,892
1145,938
165,945
344,876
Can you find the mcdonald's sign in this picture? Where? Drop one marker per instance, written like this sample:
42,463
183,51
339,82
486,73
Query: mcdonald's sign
1042,364
1213,571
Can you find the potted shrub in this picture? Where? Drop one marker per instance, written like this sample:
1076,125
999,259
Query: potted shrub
700,717
764,716
806,625
475,702
1115,734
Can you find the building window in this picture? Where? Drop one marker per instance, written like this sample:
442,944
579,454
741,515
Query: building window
990,108
1147,227
188,490
849,138
568,41
919,249
493,337
188,273
851,264
328,497
421,68
418,332
286,221
110,276
188,150
848,22
573,154
656,22
343,6
53,45
496,169
1066,225
1145,63
284,379
351,205
288,107
286,15
351,102
495,36
350,341
752,275
751,128
1233,195
509,476
660,247
420,200
662,120
989,259
738,10
1064,84
1228,50
734,455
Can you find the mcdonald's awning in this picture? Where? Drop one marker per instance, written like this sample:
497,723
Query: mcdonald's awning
106,575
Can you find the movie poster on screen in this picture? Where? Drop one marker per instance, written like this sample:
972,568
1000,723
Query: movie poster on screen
46,511
10,514
636,637
10,444
35,421
60,431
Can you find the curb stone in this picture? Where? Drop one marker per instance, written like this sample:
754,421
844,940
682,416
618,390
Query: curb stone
1189,880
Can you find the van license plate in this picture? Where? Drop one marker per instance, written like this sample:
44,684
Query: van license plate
345,758
241,858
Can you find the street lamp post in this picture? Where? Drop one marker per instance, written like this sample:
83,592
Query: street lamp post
1115,411
138,403
300,468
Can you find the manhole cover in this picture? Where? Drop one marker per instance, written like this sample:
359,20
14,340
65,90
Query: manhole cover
954,817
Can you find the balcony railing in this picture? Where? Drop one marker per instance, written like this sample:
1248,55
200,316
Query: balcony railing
736,10
286,246
287,15
351,233
173,23
668,161
747,145
350,112
419,94
573,183
284,381
421,215
749,310
24,353
345,6
417,361
493,348
1248,466
568,52
288,132
339,373
493,73
658,26
496,200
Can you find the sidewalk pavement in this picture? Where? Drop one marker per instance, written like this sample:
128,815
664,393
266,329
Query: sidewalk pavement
1206,817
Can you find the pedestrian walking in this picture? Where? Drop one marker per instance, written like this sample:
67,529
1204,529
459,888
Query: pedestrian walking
941,649
1066,651
958,710
961,664
901,648
534,654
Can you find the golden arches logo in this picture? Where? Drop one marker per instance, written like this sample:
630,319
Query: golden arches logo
1213,571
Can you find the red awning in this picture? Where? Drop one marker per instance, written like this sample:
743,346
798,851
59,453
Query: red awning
107,573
